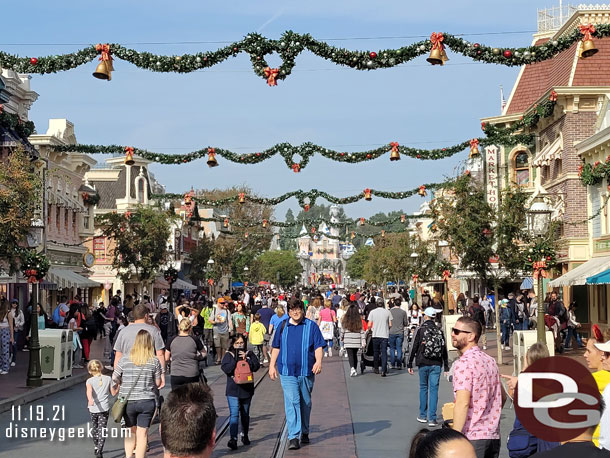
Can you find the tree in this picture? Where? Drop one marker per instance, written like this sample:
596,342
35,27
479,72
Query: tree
20,198
355,264
288,234
199,260
277,266
141,241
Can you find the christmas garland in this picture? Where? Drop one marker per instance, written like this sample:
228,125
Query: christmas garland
540,257
90,199
315,234
34,265
13,122
291,44
306,198
495,136
592,174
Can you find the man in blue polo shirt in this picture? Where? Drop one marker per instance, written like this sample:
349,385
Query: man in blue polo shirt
297,348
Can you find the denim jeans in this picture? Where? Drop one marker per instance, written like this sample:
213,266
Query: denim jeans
297,403
239,407
572,333
380,348
428,391
16,337
505,333
396,348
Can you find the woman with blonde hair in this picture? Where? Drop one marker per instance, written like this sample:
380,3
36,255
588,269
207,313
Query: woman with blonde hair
6,337
185,351
313,311
326,322
276,320
136,378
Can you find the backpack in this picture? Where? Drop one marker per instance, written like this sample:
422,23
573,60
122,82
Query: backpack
477,314
520,310
56,317
243,373
521,443
432,341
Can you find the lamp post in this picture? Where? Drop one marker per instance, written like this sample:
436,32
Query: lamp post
34,377
210,267
538,222
246,272
414,257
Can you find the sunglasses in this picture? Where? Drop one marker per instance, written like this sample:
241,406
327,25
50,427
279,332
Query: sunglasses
457,332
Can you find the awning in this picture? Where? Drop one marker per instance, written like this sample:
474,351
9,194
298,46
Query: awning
527,283
161,283
578,276
602,278
65,278
549,153
181,284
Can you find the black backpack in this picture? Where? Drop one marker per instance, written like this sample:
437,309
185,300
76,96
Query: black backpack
432,341
477,314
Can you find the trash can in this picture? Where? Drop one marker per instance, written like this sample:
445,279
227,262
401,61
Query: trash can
52,353
522,341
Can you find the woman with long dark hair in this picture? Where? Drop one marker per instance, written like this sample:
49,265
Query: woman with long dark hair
239,396
352,335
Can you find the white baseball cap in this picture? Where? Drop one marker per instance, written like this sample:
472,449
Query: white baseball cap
430,311
605,347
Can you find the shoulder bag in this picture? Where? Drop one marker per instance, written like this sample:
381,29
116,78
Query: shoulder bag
118,408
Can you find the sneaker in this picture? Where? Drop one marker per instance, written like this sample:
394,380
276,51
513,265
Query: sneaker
109,367
384,374
422,420
77,366
345,354
265,361
13,364
326,355
305,438
330,352
232,444
352,372
245,440
25,349
484,347
3,372
432,423
294,444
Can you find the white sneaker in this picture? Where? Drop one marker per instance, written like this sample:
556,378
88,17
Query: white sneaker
353,372
330,352
109,367
345,354
484,347
265,361
3,372
13,364
326,355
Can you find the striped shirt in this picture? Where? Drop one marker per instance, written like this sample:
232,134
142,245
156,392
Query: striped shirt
297,344
352,339
126,373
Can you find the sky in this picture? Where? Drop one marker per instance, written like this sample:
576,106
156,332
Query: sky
229,106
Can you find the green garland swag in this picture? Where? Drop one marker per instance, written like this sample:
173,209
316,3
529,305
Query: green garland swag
11,121
541,250
592,174
34,266
290,45
297,157
304,197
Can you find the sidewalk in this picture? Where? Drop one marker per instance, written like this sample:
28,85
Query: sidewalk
13,389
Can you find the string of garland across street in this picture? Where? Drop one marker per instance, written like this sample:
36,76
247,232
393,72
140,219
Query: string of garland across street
291,44
306,199
297,157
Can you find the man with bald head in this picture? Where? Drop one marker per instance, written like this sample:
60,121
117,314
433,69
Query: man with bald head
478,393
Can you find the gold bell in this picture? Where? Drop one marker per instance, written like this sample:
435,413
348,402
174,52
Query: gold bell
436,57
264,223
395,155
104,70
588,49
226,222
129,156
212,162
367,194
383,233
242,198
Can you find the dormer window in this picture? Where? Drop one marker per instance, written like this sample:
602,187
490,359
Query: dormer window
522,169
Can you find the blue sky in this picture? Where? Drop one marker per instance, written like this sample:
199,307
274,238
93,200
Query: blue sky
414,104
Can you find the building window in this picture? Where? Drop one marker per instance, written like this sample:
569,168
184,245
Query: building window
66,219
99,248
522,169
58,219
74,226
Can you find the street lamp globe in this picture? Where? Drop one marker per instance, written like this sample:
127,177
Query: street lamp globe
539,217
210,262
246,269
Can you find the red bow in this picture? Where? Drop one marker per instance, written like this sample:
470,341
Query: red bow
211,151
539,267
422,191
85,195
105,50
127,215
587,30
129,149
415,277
210,281
306,207
271,74
437,40
474,142
394,146
483,125
553,96
362,221
313,230
446,275
296,168
403,218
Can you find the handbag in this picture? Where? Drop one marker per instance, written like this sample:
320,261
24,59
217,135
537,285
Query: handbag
119,406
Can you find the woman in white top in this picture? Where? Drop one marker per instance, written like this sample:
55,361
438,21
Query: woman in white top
18,323
340,314
6,337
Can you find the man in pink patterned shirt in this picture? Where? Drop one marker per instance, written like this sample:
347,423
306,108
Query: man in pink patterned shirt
479,396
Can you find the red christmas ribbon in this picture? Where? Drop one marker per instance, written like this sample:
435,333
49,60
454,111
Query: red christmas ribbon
394,146
306,207
296,168
446,275
422,191
415,277
539,271
553,96
474,143
242,197
271,74
437,41
105,50
129,149
586,31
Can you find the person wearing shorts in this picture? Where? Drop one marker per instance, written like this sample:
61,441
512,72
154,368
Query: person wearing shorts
136,377
221,319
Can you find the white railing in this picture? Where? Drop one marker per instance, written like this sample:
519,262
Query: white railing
550,19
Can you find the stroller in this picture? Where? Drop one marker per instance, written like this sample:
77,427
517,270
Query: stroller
366,355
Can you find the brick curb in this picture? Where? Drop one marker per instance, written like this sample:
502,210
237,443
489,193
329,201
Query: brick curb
38,393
